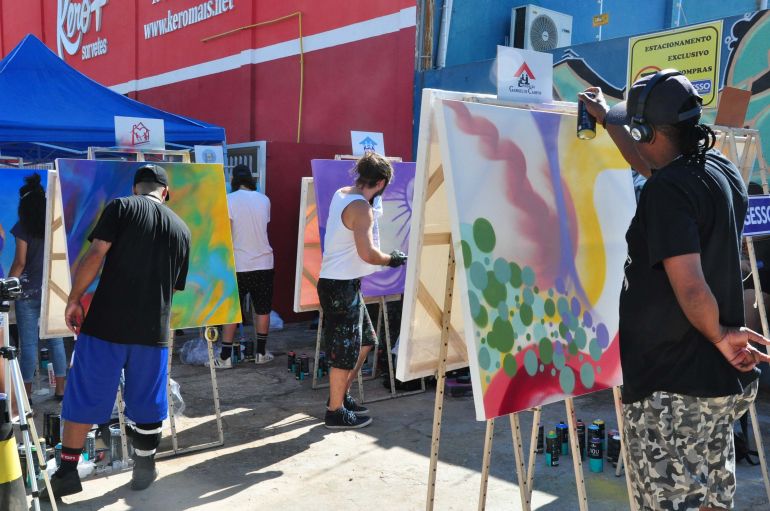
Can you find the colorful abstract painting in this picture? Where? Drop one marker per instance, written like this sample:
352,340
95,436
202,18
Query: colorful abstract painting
198,197
392,228
10,182
538,221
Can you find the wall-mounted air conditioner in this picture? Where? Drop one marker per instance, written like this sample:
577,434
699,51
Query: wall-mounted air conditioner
535,28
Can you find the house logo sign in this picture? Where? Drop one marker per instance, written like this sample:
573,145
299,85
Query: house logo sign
73,21
140,134
526,81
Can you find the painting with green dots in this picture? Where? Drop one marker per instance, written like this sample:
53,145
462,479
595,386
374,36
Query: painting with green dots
538,220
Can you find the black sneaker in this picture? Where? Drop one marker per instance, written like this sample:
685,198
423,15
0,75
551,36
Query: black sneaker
350,404
345,419
144,472
62,484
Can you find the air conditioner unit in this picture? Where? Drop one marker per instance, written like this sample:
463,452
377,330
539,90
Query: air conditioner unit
535,28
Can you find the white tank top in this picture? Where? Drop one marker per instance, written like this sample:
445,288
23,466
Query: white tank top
340,258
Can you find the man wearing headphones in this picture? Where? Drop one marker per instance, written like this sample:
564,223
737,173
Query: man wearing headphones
688,368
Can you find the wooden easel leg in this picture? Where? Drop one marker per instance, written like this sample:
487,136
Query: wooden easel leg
623,458
315,384
122,424
518,453
533,450
760,447
214,388
438,406
576,461
487,460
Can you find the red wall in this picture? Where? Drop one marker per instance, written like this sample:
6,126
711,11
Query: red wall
362,85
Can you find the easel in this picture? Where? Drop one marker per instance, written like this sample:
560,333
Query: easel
744,148
382,320
434,238
210,333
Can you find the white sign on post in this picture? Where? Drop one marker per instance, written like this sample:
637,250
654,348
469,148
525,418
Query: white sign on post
140,133
209,154
523,75
367,141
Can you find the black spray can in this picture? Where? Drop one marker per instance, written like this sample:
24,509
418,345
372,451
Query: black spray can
581,433
595,451
563,431
304,363
600,424
540,439
552,449
291,356
613,447
586,123
52,428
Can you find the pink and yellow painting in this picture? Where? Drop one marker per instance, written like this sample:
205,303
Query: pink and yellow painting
538,218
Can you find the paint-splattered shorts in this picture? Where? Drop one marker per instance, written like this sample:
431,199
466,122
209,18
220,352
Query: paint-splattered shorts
681,451
258,285
346,322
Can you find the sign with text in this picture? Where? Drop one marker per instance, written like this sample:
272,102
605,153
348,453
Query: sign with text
366,142
523,75
693,50
140,133
757,222
601,19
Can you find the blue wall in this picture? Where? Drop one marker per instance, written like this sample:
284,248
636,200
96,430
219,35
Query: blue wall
478,26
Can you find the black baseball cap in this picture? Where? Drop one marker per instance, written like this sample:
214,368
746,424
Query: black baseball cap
669,102
152,174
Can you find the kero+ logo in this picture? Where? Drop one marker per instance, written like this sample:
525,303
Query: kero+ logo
73,21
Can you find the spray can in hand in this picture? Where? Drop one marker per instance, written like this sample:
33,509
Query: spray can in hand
586,123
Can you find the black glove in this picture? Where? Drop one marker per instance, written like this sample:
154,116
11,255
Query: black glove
397,258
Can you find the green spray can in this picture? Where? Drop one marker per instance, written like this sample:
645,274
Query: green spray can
552,449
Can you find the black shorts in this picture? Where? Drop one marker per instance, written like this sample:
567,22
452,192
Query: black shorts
346,322
258,284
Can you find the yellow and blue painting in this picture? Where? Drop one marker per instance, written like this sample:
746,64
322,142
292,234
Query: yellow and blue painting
10,182
540,217
199,198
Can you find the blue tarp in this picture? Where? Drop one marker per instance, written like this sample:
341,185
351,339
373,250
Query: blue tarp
44,102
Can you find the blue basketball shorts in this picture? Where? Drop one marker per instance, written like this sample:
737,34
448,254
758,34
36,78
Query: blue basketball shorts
93,381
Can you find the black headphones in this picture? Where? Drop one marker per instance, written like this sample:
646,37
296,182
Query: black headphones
640,130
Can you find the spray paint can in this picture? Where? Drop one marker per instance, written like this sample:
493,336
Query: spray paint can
298,374
52,428
291,356
44,359
586,123
89,449
595,450
613,447
304,363
116,446
236,352
539,448
51,379
581,433
600,424
249,352
563,432
57,454
552,449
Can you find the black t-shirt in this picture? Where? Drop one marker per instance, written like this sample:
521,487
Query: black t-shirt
684,208
147,260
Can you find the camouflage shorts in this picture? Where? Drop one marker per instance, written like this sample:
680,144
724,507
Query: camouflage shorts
346,322
681,451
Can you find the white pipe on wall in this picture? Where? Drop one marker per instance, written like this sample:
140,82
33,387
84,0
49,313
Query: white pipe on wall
443,42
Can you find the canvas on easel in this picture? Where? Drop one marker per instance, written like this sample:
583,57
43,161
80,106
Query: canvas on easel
56,269
309,255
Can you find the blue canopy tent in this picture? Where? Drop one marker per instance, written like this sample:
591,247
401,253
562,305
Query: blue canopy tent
49,110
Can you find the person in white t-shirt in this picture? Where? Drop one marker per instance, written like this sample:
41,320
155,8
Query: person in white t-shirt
351,251
249,215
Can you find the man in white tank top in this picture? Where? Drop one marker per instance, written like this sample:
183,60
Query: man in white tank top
350,252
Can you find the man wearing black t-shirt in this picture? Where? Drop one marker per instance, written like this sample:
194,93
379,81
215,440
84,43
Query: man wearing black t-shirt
145,248
688,368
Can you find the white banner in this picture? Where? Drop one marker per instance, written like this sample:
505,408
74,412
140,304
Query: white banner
364,141
523,75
